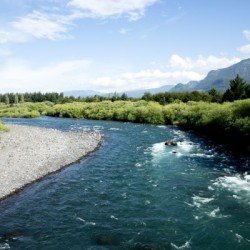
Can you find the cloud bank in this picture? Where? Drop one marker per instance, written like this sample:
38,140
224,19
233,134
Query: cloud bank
201,64
18,75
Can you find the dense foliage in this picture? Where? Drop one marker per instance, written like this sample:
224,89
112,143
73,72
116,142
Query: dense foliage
238,90
162,98
229,121
24,110
196,96
14,98
11,98
140,111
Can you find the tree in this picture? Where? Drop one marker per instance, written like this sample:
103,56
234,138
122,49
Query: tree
215,95
7,100
248,91
115,97
124,97
21,98
236,91
147,96
16,99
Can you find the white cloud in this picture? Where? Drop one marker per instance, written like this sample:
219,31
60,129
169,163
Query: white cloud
179,70
18,76
52,26
201,64
40,25
179,62
144,79
133,9
246,33
245,49
156,78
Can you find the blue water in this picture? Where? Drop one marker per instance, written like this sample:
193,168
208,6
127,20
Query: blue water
133,193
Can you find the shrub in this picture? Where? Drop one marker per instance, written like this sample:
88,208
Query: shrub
3,127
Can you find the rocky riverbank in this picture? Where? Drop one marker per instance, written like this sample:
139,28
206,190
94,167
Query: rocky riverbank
29,153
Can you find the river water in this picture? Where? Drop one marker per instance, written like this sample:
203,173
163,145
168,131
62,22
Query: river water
133,193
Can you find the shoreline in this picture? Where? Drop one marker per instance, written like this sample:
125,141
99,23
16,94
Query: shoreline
28,154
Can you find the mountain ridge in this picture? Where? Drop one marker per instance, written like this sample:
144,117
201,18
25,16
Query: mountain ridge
138,93
218,79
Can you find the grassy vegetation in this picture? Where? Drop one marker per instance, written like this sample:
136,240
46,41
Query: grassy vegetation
24,110
3,127
140,111
229,121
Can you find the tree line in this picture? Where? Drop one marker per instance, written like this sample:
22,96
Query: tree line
238,89
11,98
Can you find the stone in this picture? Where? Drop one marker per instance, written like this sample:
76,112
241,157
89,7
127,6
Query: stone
171,143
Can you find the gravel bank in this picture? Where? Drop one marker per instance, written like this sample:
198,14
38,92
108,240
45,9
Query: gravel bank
29,153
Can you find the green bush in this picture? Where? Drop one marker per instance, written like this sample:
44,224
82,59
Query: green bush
25,110
229,120
141,111
3,127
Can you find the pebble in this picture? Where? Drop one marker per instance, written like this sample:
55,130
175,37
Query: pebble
28,153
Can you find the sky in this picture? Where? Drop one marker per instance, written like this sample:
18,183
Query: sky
117,45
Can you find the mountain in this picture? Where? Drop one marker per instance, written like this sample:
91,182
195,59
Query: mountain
83,93
140,92
218,79
131,93
180,87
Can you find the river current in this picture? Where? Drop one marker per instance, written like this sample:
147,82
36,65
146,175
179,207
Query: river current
133,193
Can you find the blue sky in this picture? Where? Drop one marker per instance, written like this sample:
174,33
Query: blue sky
117,45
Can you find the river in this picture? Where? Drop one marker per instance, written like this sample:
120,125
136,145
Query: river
133,193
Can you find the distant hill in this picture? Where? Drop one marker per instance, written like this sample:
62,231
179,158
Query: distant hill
218,79
132,93
140,92
83,93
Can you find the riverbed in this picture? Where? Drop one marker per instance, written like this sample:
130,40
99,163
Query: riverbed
133,193
28,153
